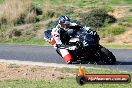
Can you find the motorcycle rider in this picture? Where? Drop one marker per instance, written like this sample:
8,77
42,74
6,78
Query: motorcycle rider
64,24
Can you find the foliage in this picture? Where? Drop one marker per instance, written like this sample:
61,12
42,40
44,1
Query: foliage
97,18
110,31
130,10
18,12
107,9
51,24
128,19
121,1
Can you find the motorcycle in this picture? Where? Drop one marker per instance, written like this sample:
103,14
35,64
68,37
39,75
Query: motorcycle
87,45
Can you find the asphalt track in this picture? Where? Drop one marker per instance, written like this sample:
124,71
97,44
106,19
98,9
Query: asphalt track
48,55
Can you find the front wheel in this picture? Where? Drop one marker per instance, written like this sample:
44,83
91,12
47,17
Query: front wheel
106,56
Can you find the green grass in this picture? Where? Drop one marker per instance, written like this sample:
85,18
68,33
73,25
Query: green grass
39,3
1,1
27,42
111,31
82,3
44,43
118,30
118,46
128,19
64,83
121,1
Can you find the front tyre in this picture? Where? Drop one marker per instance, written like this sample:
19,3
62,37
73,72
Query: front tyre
107,57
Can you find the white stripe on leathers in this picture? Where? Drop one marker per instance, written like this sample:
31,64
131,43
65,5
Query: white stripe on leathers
64,52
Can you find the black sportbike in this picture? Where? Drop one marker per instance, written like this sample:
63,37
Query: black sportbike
87,45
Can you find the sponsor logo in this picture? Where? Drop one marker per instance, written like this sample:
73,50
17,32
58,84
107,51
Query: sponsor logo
83,78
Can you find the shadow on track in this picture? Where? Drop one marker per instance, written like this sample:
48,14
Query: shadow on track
123,63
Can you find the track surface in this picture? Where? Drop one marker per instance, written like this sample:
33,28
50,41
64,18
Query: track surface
49,55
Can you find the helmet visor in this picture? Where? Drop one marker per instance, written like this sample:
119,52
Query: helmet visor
65,25
67,22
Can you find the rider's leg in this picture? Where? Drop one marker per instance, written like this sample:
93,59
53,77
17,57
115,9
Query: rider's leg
66,55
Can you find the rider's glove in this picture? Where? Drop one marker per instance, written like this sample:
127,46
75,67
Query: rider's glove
90,31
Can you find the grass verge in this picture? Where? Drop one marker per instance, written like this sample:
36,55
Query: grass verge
27,42
64,83
117,46
44,43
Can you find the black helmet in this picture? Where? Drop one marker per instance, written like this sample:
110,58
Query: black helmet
64,21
